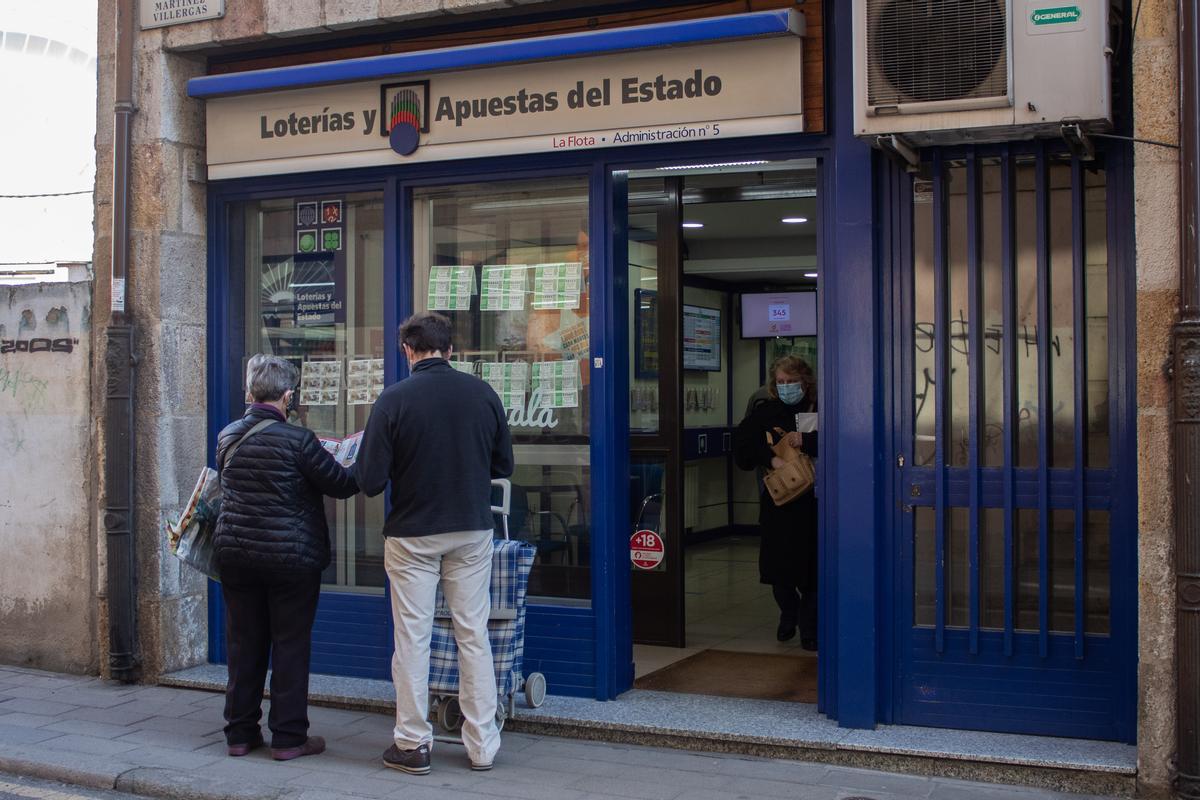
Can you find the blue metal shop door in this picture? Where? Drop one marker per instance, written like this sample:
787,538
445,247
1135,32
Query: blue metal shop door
1015,487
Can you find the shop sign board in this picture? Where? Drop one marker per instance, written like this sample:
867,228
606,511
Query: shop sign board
697,93
160,13
646,550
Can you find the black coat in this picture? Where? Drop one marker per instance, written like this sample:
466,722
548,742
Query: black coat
439,437
788,534
272,508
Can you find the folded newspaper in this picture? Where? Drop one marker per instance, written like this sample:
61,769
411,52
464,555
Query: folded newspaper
344,451
190,535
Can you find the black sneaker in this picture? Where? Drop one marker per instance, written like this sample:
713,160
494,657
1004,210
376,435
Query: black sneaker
414,762
785,631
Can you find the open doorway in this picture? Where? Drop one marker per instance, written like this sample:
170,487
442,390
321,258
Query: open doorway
724,267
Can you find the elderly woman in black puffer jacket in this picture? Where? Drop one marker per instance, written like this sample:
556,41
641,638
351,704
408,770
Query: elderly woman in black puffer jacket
272,543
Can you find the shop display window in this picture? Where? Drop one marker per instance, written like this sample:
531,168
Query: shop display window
313,269
508,264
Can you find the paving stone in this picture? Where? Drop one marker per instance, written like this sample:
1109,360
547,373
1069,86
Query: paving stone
23,735
92,745
80,769
190,786
120,715
44,707
86,727
369,787
26,692
26,720
528,791
172,759
93,698
191,727
873,781
176,741
627,788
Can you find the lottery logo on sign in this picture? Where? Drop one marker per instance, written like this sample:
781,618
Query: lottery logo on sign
404,115
331,212
306,214
646,550
779,312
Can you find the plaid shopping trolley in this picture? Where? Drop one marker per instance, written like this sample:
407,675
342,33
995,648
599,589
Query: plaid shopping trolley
511,562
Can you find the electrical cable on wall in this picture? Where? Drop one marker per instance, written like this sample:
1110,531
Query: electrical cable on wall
46,194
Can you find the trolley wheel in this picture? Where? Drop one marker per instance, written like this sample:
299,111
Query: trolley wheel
535,690
501,716
450,714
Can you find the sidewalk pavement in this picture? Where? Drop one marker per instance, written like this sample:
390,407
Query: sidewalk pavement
163,742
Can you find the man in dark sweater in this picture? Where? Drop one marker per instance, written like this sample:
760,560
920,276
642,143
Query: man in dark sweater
439,437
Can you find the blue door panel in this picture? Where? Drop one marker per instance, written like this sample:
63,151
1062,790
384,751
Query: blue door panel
352,637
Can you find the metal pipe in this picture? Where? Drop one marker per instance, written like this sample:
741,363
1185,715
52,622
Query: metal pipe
1186,415
119,365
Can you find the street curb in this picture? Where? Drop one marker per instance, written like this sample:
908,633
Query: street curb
70,771
174,785
97,772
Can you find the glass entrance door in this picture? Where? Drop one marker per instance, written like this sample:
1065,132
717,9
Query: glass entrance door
655,403
1012,614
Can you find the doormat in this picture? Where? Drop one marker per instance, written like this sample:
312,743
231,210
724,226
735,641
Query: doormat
756,676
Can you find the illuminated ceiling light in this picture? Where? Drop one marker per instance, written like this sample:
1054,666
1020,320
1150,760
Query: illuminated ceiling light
794,220
693,224
714,166
810,274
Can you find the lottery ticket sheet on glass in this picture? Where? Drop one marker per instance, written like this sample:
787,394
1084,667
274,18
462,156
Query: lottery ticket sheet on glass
320,383
502,287
510,379
558,382
557,285
451,288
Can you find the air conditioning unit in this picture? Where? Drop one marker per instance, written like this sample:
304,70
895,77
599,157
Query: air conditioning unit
947,71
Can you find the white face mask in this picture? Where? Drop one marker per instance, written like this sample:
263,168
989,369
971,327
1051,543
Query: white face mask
790,393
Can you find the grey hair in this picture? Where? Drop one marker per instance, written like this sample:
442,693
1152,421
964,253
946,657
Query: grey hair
268,377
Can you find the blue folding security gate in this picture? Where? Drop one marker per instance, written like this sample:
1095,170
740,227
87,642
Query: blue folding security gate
1015,546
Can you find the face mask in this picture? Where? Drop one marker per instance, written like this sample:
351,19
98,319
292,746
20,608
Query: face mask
790,393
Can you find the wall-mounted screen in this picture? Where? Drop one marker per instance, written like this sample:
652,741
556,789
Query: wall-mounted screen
702,338
770,314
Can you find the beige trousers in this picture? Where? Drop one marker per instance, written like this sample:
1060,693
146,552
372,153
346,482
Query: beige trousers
463,563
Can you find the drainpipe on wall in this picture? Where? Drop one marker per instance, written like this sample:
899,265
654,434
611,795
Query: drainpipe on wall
119,365
1186,423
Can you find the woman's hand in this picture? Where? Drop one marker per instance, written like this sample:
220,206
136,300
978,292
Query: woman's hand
777,462
794,440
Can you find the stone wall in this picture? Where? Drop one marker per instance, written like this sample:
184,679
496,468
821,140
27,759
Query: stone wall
1156,201
167,281
48,572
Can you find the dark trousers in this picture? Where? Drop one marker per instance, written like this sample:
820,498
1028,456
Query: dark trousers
268,620
797,607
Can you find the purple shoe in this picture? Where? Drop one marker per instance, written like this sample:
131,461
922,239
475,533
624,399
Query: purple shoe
315,745
239,750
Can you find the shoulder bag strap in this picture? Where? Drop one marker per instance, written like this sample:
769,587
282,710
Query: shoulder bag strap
261,425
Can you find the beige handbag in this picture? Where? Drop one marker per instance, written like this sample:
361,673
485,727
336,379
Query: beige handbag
795,478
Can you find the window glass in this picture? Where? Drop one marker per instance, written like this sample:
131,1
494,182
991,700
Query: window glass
508,263
1025,288
1062,318
991,268
924,566
958,317
645,195
1095,228
313,274
924,357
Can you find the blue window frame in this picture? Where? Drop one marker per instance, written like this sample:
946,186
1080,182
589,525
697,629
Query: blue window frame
583,651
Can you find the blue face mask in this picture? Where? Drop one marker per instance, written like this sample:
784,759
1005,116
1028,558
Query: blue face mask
790,393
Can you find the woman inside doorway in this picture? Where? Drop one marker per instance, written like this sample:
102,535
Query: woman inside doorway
787,556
